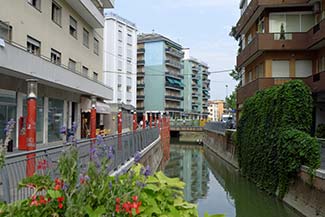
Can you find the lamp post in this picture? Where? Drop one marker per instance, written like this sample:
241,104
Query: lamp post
31,124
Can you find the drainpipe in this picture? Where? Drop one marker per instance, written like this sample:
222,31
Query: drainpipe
31,125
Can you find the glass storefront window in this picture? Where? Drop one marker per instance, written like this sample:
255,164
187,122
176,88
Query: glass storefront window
55,119
7,111
39,117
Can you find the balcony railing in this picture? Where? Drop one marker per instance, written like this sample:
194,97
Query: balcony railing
174,98
174,75
140,62
173,86
141,50
140,85
174,52
173,108
256,7
259,84
173,63
272,41
58,74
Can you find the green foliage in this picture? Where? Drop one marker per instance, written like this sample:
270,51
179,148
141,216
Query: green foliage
320,132
163,196
231,101
92,192
273,136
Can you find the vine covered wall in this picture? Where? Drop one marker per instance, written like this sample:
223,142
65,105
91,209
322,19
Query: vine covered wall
273,136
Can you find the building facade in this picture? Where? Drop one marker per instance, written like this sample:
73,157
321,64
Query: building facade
280,41
216,110
120,53
59,43
196,86
159,78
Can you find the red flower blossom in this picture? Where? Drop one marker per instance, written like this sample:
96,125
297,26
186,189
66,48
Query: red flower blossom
60,199
118,200
117,208
135,198
57,187
60,206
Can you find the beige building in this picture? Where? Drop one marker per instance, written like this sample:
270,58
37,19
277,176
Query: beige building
59,43
216,109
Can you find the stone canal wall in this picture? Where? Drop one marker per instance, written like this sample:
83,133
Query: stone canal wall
306,197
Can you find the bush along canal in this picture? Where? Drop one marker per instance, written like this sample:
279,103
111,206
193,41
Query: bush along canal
217,187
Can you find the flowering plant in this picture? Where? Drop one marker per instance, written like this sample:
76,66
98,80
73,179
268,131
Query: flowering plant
8,136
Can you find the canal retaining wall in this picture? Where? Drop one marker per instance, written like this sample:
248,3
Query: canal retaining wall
304,196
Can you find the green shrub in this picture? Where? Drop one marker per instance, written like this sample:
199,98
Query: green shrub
320,132
267,128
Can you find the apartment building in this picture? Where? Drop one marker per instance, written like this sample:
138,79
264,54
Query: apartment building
216,110
59,43
196,86
120,53
281,40
159,78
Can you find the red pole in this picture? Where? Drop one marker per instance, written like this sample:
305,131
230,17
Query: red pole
159,121
119,129
135,125
144,121
150,119
155,120
31,135
93,123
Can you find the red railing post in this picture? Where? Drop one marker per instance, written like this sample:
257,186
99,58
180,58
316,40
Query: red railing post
150,120
144,120
119,129
135,124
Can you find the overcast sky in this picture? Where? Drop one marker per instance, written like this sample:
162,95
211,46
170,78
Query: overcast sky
201,25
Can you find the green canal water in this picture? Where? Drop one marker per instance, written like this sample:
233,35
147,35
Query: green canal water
218,188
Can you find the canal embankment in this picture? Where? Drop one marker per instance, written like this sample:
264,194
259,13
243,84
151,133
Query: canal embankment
303,195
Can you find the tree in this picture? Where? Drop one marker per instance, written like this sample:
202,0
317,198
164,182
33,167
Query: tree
236,75
231,101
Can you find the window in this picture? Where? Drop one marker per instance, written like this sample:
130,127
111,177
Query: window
86,38
35,3
259,71
129,40
55,119
55,57
5,31
280,69
129,66
96,46
72,65
95,76
73,27
33,46
129,53
120,51
119,65
85,71
120,35
119,81
304,68
129,82
321,64
56,13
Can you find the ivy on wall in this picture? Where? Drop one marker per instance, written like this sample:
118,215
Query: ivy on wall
273,136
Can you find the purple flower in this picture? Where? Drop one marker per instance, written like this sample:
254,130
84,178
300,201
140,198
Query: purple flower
74,127
99,140
147,171
110,153
137,157
63,130
92,150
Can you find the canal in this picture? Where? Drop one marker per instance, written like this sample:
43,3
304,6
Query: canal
218,188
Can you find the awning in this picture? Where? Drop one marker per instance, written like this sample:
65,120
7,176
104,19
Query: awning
101,108
171,81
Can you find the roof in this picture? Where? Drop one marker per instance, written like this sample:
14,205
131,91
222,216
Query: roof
154,37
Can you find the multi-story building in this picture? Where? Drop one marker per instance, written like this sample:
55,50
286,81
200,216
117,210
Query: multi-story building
196,86
159,78
59,43
216,110
120,53
281,40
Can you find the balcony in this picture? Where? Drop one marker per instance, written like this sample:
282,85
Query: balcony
316,82
140,85
174,98
270,41
259,84
195,68
141,50
22,64
140,96
140,74
174,52
174,64
256,7
195,95
89,12
174,108
195,77
174,75
140,62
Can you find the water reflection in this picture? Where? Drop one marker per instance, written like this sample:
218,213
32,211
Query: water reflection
217,187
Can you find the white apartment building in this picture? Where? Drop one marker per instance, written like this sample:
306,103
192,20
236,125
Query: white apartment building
216,109
59,43
120,58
